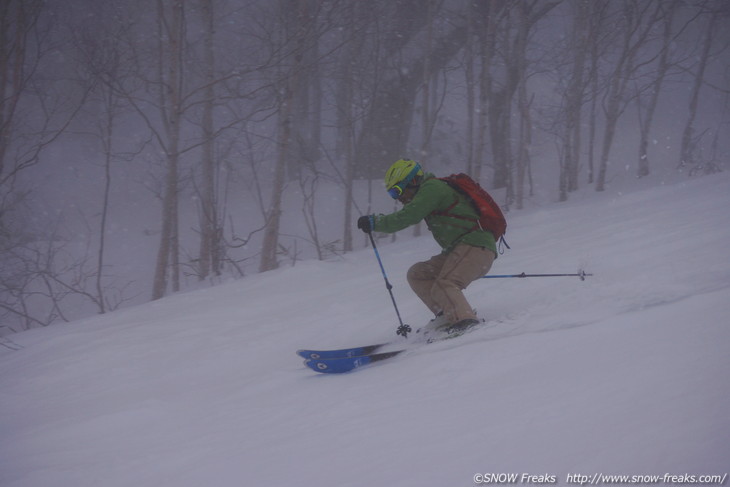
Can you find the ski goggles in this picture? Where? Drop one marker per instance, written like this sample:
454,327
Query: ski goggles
397,190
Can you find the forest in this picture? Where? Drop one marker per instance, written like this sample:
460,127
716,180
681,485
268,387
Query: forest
228,125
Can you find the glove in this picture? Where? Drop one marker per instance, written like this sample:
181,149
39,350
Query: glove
366,223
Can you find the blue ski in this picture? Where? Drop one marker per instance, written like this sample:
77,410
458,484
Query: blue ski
340,352
340,365
348,359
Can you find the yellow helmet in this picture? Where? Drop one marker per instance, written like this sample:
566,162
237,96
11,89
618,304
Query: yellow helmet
400,174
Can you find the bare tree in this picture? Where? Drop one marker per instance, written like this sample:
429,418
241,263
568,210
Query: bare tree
427,115
101,60
663,63
384,132
573,100
598,37
470,59
169,96
35,111
523,163
211,233
635,23
296,29
689,137
485,18
171,44
30,118
509,26
354,14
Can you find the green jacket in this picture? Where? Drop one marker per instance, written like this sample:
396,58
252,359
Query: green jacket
436,195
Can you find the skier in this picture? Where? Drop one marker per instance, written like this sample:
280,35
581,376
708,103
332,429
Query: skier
468,251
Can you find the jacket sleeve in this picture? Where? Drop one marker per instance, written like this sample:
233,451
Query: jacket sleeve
432,195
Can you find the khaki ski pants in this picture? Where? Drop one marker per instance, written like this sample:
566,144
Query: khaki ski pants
440,280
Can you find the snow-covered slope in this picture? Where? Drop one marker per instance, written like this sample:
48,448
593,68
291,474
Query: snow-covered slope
624,373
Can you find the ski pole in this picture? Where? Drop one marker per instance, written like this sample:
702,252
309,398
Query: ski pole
402,329
582,274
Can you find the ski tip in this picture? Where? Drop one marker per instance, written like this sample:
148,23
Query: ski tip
318,366
337,365
308,354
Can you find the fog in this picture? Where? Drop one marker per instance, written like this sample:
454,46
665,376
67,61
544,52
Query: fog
148,148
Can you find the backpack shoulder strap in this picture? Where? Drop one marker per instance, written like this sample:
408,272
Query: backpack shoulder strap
447,212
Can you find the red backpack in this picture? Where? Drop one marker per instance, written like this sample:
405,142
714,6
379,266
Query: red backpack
490,214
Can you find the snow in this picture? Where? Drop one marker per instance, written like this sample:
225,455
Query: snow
623,373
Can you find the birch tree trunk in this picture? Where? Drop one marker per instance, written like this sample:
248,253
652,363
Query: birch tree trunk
346,122
688,134
270,245
574,102
170,25
210,231
296,16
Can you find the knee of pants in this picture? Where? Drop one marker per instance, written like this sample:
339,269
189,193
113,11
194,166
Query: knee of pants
419,272
448,283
